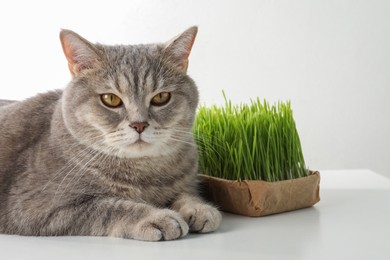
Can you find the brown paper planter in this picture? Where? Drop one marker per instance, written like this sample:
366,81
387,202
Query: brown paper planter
261,198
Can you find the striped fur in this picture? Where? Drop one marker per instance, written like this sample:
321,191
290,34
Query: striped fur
70,166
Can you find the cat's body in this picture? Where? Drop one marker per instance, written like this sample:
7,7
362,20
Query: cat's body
73,164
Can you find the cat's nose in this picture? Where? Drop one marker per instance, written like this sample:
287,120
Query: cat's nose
139,126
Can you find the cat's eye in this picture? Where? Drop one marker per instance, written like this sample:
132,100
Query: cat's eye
111,100
161,99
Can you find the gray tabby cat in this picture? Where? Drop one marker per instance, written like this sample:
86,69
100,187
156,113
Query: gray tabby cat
110,155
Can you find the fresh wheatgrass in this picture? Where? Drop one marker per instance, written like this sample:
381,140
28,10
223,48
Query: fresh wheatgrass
253,141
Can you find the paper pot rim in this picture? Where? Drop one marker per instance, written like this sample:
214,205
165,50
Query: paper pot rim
261,198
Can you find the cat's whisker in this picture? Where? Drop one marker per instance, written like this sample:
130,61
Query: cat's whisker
96,158
188,137
101,161
70,163
202,142
84,156
181,141
55,199
75,144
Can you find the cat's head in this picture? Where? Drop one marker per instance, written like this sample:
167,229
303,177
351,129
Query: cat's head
130,100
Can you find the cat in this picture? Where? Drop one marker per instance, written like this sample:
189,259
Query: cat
112,154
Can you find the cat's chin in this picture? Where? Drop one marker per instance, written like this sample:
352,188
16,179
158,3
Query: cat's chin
139,149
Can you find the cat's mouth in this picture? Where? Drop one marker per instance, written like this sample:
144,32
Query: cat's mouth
140,141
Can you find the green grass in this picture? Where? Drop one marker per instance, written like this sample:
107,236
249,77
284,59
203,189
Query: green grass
255,141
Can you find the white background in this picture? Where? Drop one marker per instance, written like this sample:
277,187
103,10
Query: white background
330,58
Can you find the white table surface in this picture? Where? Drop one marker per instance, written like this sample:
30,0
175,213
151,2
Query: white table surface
352,221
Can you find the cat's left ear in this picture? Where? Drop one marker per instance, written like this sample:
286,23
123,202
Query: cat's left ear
82,55
179,48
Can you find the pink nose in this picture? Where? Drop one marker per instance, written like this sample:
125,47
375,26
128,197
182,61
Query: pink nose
139,126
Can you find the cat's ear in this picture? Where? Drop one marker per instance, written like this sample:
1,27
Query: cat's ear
179,48
80,53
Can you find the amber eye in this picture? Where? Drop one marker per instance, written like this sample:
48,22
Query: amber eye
111,100
161,99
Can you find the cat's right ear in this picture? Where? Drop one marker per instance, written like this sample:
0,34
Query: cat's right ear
179,48
80,53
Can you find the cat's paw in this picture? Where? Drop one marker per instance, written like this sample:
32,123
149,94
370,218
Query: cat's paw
161,225
201,218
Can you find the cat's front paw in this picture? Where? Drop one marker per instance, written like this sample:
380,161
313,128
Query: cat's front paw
161,225
201,218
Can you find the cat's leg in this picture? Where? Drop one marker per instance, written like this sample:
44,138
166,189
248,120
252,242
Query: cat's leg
115,217
143,222
157,225
200,216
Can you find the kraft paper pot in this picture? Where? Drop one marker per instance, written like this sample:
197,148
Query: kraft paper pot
261,198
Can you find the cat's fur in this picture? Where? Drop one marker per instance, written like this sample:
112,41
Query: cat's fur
71,166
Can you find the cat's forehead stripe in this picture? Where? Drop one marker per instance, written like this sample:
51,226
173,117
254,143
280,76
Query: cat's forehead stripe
146,77
116,85
128,81
135,73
